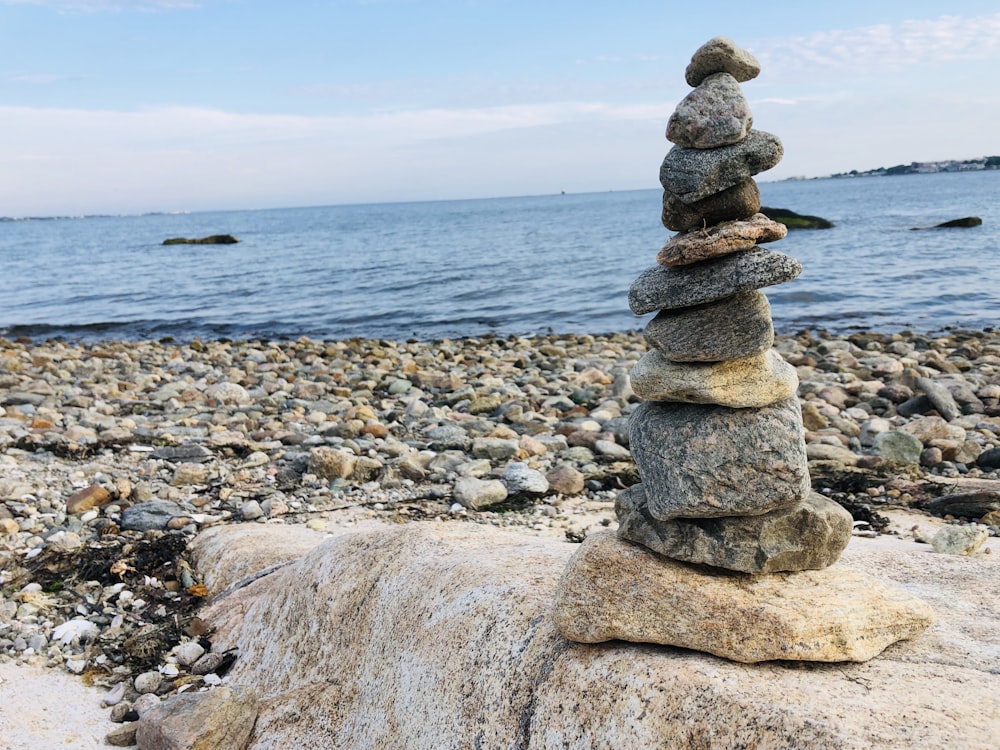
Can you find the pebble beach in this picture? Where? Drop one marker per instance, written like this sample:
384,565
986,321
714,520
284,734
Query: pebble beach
114,455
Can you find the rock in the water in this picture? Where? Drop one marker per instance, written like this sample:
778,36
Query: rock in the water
693,174
829,615
794,220
718,55
661,288
753,381
221,719
898,447
721,239
806,536
714,114
732,328
214,239
967,221
959,540
150,516
738,202
700,461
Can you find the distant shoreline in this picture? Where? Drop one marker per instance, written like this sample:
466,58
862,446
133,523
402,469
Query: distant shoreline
984,164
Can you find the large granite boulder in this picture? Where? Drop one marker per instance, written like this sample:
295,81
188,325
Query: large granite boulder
442,635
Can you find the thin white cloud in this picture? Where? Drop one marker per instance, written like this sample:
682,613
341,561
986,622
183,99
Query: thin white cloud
885,47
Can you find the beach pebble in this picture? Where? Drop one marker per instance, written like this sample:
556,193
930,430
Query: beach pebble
959,540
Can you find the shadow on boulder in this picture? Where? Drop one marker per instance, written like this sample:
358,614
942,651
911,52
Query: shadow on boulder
793,220
215,239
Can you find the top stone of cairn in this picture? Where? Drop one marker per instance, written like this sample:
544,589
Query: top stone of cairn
721,55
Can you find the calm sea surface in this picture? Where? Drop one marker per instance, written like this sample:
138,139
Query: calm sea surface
506,265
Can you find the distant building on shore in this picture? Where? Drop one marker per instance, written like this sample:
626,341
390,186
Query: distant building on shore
928,167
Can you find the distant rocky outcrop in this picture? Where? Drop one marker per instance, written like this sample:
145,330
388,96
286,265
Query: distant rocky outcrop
968,221
215,239
793,220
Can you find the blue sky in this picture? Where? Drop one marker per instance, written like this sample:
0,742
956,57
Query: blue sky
118,106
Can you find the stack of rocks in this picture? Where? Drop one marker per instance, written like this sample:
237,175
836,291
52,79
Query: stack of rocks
719,441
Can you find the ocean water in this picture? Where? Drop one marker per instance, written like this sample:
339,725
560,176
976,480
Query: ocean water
528,265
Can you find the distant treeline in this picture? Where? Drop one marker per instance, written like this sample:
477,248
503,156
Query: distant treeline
928,167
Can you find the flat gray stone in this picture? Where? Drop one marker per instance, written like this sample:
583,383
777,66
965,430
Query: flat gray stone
714,114
662,288
693,174
807,536
721,54
738,202
724,238
150,516
898,447
751,382
702,461
732,328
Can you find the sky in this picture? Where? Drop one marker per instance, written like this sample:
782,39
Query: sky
128,106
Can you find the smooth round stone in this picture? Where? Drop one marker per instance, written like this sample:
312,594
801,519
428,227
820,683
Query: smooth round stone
718,55
732,328
663,288
724,238
693,174
738,202
714,114
705,461
751,382
809,535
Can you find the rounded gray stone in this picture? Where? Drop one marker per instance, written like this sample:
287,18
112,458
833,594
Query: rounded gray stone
693,174
718,55
706,461
479,493
663,288
732,328
898,447
521,479
714,114
809,535
741,201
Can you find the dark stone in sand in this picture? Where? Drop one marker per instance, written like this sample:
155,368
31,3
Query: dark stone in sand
714,114
215,239
732,328
793,220
806,536
718,55
663,288
707,461
693,174
915,405
966,504
738,202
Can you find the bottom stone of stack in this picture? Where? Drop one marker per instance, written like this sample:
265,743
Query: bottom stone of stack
614,590
808,535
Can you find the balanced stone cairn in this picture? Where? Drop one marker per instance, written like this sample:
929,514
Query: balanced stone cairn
723,546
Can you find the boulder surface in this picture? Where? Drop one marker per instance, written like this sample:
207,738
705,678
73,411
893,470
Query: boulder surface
442,635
